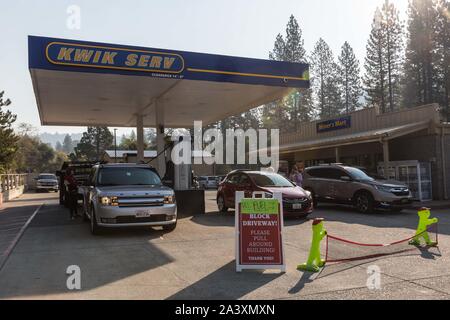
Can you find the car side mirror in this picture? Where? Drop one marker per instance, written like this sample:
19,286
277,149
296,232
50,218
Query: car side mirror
346,178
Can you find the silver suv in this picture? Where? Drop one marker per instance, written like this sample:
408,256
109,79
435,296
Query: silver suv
348,185
125,195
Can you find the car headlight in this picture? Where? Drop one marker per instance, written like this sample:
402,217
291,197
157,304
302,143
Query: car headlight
384,188
169,199
308,194
108,201
268,195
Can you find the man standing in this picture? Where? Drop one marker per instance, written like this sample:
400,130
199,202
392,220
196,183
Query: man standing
72,192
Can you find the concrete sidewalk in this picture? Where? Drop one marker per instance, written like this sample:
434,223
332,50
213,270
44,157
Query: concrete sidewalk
14,216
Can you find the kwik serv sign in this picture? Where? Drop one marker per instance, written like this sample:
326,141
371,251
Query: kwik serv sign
259,228
95,57
83,55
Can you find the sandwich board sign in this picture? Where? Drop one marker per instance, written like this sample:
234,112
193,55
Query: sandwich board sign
259,232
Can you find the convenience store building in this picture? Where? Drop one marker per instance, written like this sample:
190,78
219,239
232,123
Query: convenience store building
411,145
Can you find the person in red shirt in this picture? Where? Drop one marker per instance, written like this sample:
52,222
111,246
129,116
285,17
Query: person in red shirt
72,192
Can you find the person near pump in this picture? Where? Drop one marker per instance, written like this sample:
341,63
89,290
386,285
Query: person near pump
72,192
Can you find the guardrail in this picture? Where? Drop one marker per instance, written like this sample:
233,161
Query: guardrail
12,186
12,181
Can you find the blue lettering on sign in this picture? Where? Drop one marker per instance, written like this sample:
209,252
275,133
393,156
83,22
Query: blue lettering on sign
334,124
69,54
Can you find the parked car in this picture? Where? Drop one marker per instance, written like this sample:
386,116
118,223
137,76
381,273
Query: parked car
296,201
47,181
126,195
349,185
208,182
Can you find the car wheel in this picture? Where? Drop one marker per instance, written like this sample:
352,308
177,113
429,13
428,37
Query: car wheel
364,202
95,229
221,204
169,227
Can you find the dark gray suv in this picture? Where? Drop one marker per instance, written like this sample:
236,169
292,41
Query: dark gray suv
348,185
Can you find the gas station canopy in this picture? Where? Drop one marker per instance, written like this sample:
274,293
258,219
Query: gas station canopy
79,83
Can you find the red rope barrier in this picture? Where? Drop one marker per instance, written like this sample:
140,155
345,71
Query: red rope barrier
369,256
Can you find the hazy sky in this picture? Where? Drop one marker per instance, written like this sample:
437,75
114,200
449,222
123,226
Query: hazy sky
233,27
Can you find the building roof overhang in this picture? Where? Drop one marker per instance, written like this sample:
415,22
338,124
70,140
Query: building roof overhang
378,135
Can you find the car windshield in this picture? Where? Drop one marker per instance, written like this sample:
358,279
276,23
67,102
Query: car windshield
128,176
270,180
47,177
358,174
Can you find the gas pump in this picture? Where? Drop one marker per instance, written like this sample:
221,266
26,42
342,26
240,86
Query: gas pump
190,201
178,176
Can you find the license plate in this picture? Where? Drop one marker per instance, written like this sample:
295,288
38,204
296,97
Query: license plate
405,200
296,206
143,214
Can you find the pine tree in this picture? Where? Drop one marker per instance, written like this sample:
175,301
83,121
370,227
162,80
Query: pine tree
278,49
67,146
324,74
421,60
93,143
298,106
384,59
375,76
58,146
294,50
393,30
8,139
443,54
349,79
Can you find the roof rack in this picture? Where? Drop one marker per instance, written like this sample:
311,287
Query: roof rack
331,164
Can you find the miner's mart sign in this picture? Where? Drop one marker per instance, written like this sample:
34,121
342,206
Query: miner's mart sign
259,233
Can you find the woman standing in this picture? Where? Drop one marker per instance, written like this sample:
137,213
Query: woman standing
296,176
72,192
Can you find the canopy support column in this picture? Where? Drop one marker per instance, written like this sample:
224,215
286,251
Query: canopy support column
386,158
160,143
140,137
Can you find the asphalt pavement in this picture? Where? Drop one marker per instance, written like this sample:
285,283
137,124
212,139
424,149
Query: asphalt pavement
196,261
